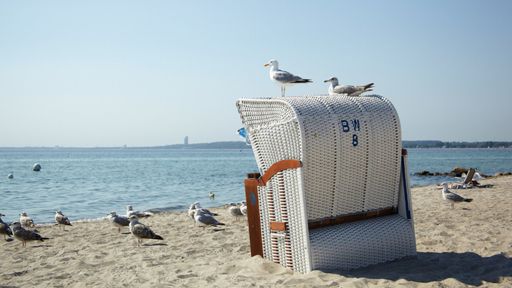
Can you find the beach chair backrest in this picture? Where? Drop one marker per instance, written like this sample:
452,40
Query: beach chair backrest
350,147
469,176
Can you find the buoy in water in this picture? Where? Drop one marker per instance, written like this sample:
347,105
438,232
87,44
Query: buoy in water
36,167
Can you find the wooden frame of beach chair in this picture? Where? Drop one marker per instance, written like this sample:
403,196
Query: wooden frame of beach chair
333,193
469,176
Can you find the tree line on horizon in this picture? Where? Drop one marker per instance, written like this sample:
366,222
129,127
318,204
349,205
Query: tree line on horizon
455,144
405,144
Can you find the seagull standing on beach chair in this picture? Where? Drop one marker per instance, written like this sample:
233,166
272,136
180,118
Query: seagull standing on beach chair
284,78
452,197
349,90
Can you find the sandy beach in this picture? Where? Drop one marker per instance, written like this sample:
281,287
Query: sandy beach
470,245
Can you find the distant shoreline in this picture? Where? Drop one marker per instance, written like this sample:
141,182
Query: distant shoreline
238,145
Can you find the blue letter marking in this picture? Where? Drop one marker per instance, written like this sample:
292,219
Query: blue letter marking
344,126
356,126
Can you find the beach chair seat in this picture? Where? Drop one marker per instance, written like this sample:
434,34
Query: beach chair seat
332,192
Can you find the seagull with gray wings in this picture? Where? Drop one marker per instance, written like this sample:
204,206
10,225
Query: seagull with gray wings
25,235
26,221
197,206
141,231
139,214
4,228
235,211
243,208
452,197
349,90
284,78
204,219
62,220
118,220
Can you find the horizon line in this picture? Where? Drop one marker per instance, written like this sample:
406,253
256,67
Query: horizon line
125,146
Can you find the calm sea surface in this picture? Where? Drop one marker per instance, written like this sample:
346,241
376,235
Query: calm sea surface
89,183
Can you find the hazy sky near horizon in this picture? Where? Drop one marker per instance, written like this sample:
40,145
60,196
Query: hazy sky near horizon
143,73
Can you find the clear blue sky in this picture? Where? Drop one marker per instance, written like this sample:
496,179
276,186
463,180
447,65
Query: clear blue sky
109,73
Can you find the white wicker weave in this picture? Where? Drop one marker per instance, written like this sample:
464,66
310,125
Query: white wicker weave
350,148
361,243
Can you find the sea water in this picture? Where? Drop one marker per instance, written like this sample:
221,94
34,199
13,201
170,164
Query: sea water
485,161
88,183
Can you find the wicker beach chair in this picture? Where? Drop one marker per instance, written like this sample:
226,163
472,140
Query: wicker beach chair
332,192
466,183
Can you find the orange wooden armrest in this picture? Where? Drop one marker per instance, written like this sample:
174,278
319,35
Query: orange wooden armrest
278,167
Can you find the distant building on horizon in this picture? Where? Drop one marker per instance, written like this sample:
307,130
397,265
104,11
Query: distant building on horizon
185,141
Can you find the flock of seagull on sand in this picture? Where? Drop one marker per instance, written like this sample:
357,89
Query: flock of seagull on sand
285,78
21,230
202,217
24,230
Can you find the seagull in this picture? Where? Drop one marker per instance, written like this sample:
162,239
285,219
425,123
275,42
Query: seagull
203,219
234,210
141,231
118,221
477,177
349,90
452,197
282,77
243,208
139,214
26,221
4,228
25,235
10,175
192,210
62,220
197,206
211,195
